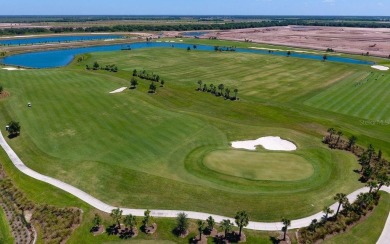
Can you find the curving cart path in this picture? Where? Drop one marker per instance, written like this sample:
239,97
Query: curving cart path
96,203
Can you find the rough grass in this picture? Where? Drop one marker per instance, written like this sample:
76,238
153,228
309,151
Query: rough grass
259,166
127,148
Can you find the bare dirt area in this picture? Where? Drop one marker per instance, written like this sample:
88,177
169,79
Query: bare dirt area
375,42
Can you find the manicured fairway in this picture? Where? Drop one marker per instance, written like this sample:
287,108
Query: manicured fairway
259,166
140,150
364,95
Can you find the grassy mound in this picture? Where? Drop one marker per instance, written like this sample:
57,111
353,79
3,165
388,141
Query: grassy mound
259,166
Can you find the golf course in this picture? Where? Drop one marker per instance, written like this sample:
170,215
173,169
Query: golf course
172,149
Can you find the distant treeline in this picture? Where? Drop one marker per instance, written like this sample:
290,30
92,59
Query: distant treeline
195,27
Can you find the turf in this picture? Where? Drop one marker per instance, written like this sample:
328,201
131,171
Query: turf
128,148
365,232
259,166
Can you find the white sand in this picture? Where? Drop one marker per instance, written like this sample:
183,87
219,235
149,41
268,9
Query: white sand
12,68
119,90
273,143
380,67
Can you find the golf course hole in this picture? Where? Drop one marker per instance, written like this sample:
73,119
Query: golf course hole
273,166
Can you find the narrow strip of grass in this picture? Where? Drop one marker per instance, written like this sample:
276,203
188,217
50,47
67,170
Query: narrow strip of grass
5,229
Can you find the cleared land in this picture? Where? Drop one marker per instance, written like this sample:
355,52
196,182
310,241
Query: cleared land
127,148
341,39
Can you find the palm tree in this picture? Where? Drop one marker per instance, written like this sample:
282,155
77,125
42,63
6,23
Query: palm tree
364,199
325,57
227,93
286,224
182,223
383,180
226,226
116,215
205,87
370,152
339,134
201,227
341,198
351,142
327,211
221,87
210,223
211,88
372,184
288,53
331,131
235,93
379,154
364,161
242,220
162,83
313,225
1,89
152,87
134,72
200,84
130,221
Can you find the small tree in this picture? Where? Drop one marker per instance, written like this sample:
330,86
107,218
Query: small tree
288,53
152,88
96,221
116,215
221,87
210,223
134,72
133,82
286,224
242,220
1,89
235,93
96,65
341,198
351,142
325,57
201,228
14,128
188,48
162,83
200,82
226,226
130,221
182,223
146,220
372,184
327,211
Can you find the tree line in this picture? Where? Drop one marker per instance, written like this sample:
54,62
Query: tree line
206,228
154,78
197,27
219,91
96,66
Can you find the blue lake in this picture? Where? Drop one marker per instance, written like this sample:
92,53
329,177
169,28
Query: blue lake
59,58
52,39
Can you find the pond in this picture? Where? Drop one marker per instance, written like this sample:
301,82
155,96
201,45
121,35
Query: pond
62,57
55,39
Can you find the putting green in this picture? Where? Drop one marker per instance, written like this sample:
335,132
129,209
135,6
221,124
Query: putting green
259,166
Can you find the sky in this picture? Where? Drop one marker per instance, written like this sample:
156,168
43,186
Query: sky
195,7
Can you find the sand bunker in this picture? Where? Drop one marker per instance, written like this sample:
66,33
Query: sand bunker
119,90
12,68
273,143
380,67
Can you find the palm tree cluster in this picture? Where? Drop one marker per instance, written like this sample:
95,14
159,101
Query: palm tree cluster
219,91
374,168
146,76
97,66
348,216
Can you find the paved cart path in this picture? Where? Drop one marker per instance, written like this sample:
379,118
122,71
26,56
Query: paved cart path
96,203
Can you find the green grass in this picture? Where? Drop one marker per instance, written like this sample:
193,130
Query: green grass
5,229
368,231
363,95
259,166
128,148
